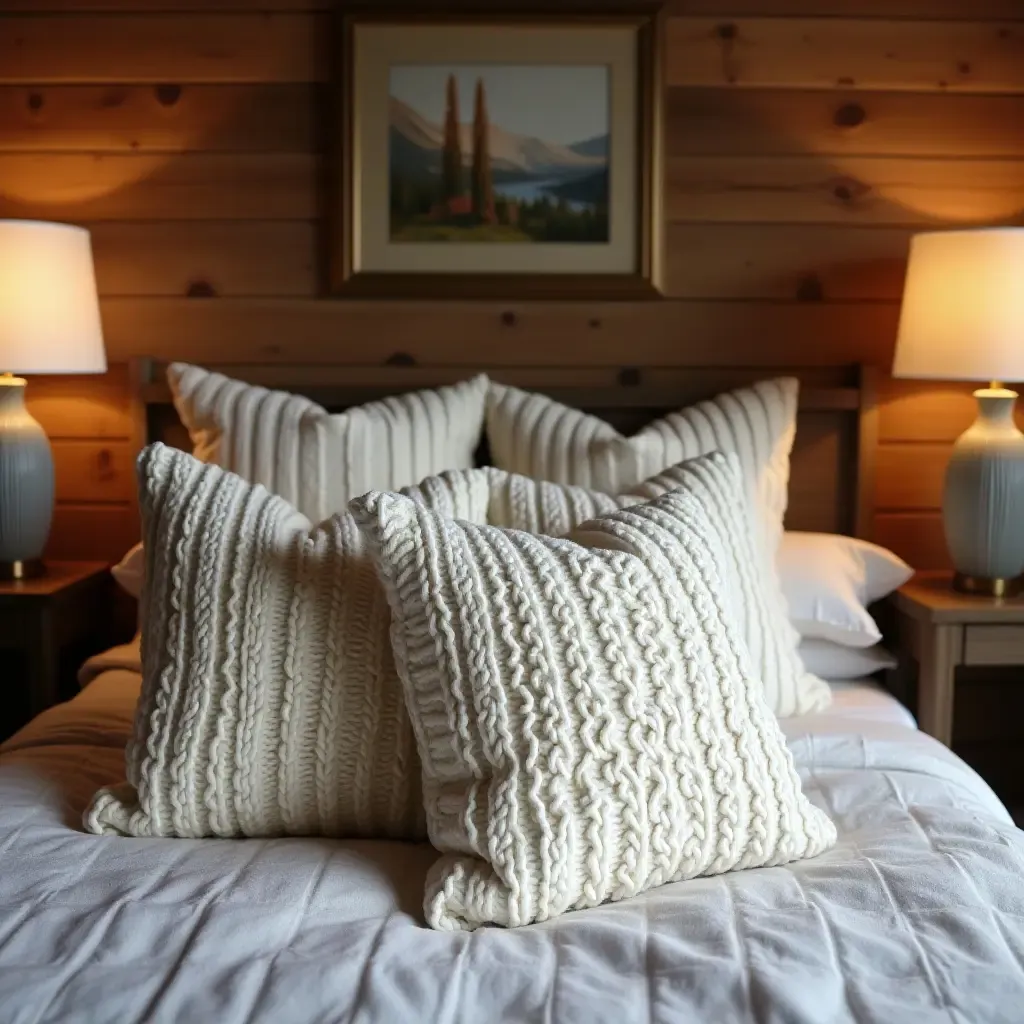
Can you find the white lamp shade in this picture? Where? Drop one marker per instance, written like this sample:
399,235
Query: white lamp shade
49,311
963,307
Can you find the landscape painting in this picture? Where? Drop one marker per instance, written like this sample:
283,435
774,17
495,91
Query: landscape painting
499,153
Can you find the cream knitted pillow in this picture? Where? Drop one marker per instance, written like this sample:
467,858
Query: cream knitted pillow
270,704
318,461
520,503
535,436
588,721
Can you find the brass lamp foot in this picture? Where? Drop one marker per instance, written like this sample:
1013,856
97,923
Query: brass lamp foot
987,587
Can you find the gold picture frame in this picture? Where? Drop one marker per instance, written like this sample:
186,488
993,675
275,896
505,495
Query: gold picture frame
371,258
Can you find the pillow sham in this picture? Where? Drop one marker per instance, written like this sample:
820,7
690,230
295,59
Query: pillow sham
520,503
270,703
318,461
535,436
828,580
585,710
130,572
833,661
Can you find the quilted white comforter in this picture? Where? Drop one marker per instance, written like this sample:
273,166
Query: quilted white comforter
917,915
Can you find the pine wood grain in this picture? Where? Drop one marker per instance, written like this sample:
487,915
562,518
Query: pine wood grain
178,47
166,117
927,9
786,122
544,334
192,186
912,410
222,258
87,406
910,476
823,53
785,261
101,532
91,471
844,190
916,537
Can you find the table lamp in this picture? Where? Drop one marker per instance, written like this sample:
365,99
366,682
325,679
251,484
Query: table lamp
963,319
49,323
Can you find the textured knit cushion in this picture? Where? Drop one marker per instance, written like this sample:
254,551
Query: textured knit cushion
534,436
588,720
270,703
317,461
520,503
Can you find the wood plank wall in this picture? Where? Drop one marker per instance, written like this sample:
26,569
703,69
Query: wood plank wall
805,142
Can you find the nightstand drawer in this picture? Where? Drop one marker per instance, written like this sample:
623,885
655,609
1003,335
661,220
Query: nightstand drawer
994,645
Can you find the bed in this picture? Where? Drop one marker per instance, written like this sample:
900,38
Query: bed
917,913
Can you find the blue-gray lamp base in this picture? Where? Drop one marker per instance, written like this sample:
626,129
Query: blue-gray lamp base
983,500
26,484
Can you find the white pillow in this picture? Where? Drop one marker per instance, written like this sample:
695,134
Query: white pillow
520,503
833,661
318,461
535,436
270,703
587,719
828,581
130,572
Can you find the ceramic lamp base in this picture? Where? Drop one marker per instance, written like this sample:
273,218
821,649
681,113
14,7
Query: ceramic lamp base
986,587
30,570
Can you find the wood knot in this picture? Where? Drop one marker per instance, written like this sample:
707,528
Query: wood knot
847,190
849,115
509,319
810,289
629,377
200,290
167,95
400,359
105,464
594,323
846,82
964,67
35,101
726,31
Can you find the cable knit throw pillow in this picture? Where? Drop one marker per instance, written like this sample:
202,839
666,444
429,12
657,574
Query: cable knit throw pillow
535,436
520,503
318,461
270,703
588,720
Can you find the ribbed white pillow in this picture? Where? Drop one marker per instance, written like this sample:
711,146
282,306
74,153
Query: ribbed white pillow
535,436
588,720
520,503
270,703
318,461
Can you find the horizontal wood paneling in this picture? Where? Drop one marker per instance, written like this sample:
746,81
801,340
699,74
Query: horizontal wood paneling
823,53
102,531
189,47
811,263
440,333
844,190
909,476
916,537
911,410
77,407
165,258
194,186
167,117
88,471
784,122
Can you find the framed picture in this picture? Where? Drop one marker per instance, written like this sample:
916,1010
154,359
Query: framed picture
498,155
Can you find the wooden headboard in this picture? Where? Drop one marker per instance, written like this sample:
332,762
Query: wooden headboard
832,477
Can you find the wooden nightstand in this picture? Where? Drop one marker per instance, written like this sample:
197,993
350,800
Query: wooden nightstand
944,629
40,618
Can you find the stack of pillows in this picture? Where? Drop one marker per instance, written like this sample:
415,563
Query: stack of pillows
565,670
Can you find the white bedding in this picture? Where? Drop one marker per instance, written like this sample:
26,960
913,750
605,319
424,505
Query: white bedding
916,915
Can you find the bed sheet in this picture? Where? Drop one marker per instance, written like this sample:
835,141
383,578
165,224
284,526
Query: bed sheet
917,914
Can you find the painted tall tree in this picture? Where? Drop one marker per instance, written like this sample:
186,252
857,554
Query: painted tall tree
451,168
482,190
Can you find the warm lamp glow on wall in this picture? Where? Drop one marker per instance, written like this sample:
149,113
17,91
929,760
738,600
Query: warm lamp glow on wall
963,319
49,323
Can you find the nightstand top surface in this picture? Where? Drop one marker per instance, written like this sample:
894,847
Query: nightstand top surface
930,596
59,576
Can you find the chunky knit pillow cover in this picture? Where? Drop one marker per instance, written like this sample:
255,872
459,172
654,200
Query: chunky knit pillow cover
588,720
520,503
535,436
270,704
318,461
